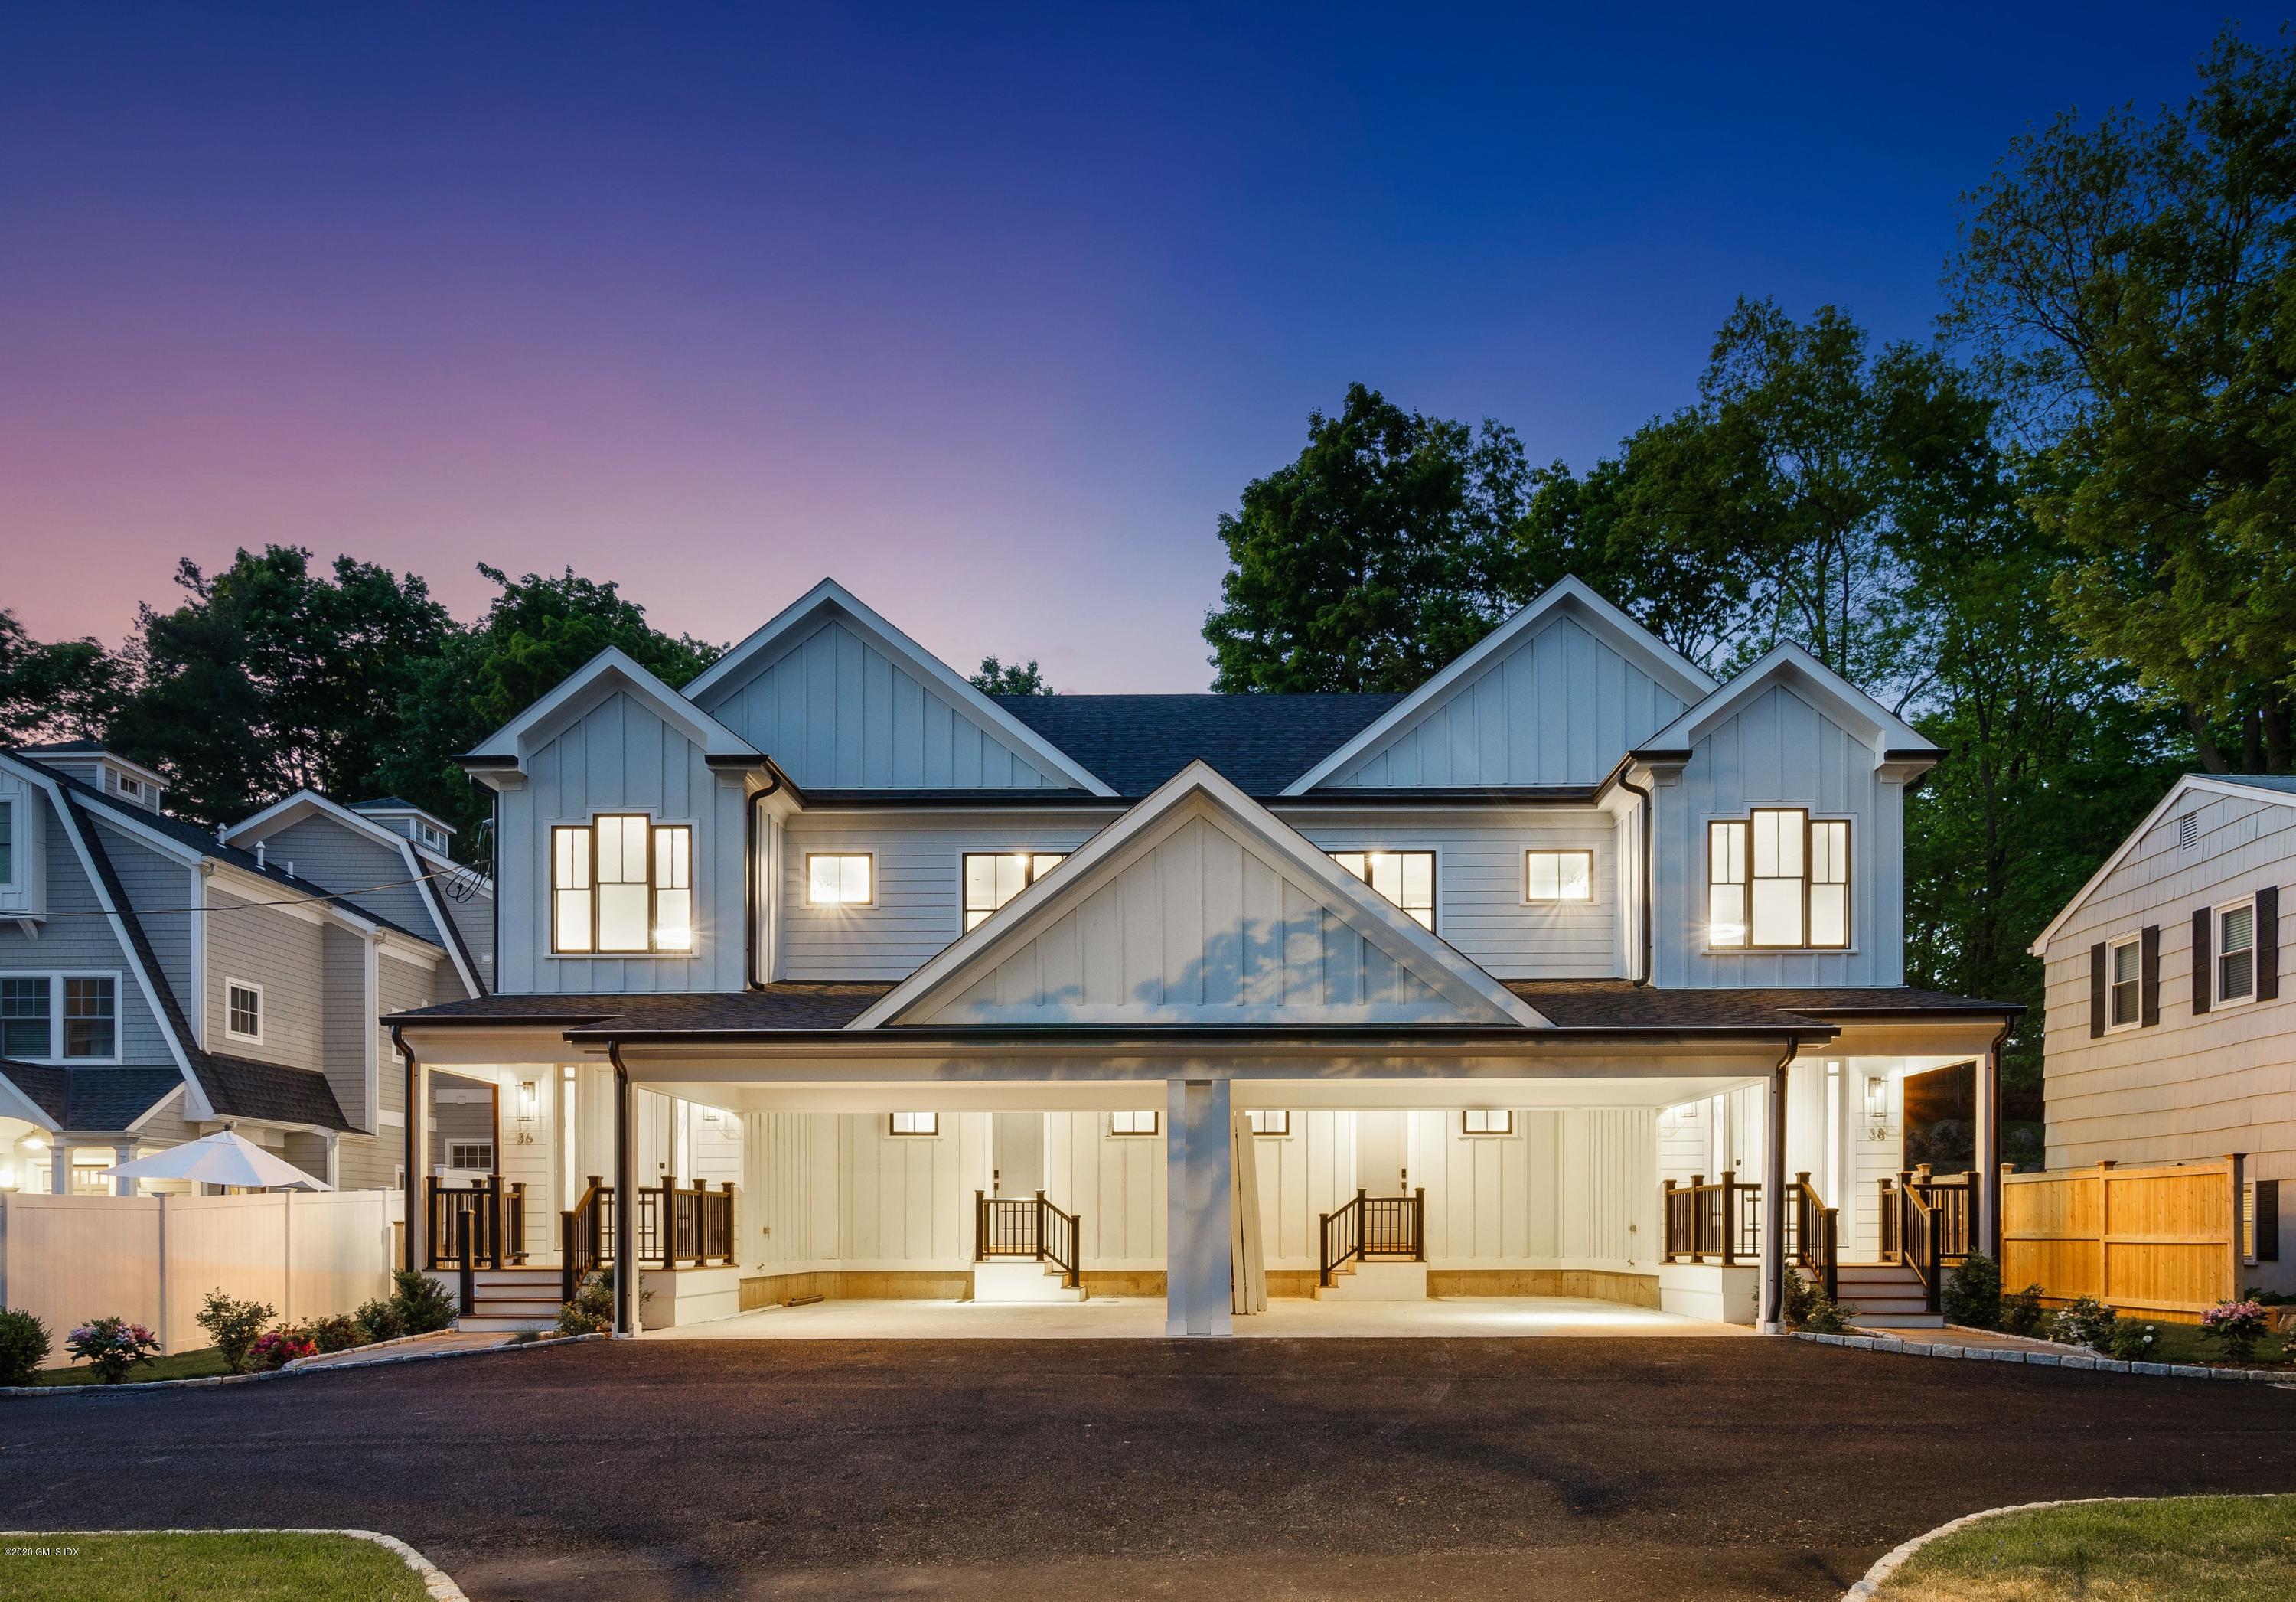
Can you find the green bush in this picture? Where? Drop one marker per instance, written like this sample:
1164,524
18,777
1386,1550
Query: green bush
1825,1316
2086,1322
592,1310
1809,1308
339,1333
232,1327
1972,1293
381,1319
23,1346
2022,1312
422,1302
2131,1342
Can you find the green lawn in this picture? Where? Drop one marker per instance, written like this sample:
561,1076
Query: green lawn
175,1365
2183,1344
202,1568
2182,1550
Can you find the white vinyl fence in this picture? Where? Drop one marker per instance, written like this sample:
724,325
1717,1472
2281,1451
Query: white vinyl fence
152,1259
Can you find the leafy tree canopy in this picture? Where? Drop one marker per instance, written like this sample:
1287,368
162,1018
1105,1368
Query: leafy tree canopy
67,690
1015,678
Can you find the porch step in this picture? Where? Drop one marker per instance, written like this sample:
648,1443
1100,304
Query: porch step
1021,1280
1884,1295
1376,1279
487,1324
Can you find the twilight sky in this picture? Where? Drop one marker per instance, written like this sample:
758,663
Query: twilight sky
988,312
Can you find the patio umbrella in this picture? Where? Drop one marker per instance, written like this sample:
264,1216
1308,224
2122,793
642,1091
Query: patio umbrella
223,1158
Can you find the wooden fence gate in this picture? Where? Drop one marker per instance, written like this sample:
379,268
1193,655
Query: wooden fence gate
2162,1241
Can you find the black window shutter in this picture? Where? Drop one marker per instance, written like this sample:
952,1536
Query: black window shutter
2268,1220
2097,958
2267,942
2201,947
2149,967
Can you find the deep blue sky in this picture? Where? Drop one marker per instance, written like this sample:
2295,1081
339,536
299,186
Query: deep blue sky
989,314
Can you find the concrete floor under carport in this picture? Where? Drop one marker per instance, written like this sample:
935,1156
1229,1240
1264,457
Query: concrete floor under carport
1138,1318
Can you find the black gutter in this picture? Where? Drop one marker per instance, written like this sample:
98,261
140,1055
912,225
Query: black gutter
418,1119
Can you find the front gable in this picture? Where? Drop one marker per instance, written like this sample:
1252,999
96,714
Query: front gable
1200,908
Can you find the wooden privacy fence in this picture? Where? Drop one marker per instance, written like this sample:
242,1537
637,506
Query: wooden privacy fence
151,1260
2161,1241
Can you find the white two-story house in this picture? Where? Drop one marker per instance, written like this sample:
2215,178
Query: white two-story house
1556,976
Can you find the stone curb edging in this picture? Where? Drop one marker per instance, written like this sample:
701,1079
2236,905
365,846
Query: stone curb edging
436,1581
292,1372
2046,1360
1895,1558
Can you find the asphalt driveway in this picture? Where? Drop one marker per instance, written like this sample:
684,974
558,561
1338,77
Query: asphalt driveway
1588,1470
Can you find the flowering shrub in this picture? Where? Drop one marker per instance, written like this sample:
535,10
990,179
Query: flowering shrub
2086,1322
277,1348
2131,1342
111,1346
2237,1325
232,1327
339,1333
23,1346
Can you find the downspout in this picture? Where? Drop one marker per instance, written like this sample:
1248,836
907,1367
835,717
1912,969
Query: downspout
1771,1315
626,1199
751,905
1649,873
416,1116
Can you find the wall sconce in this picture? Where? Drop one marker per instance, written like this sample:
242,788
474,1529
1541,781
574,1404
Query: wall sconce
1877,1108
527,1107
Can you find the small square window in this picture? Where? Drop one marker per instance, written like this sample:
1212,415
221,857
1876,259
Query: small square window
1558,875
1132,1124
1478,1120
840,879
912,1123
243,1011
1270,1123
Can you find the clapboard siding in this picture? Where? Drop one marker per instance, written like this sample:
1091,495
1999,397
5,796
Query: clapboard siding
280,952
1560,708
1779,750
347,1024
837,713
364,871
160,888
76,937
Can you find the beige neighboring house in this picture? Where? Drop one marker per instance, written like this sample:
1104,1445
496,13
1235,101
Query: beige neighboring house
2170,1035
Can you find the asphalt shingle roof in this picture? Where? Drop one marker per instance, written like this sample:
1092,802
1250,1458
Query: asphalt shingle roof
1260,742
92,1099
1621,1003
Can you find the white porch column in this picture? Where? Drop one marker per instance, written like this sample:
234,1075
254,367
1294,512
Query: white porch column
1197,1207
59,1168
418,1153
123,1152
1987,1199
1773,1314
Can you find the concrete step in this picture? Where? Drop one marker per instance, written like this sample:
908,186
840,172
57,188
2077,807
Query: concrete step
515,1307
483,1324
1920,1320
1021,1280
1859,1307
1376,1280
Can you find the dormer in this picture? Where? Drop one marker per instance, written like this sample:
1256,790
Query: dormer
100,769
409,821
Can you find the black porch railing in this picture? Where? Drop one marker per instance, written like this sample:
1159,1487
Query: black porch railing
1029,1227
1927,1224
1370,1226
475,1226
1722,1222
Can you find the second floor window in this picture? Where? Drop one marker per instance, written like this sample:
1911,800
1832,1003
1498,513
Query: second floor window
1406,878
243,1011
1559,876
59,1017
7,842
2125,984
2236,951
992,878
621,883
24,1018
1777,880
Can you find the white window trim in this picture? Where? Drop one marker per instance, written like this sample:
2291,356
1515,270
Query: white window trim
12,808
55,977
1394,848
261,1011
2110,946
876,884
550,888
1588,851
2218,999
1706,946
492,1153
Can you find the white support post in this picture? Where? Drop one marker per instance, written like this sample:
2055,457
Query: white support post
1198,1199
1988,1178
60,1169
123,1152
629,1271
1773,1314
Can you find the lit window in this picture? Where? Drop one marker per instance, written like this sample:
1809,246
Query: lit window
1132,1124
25,1017
841,880
2126,1002
2236,952
88,1175
621,884
242,1011
991,879
1559,876
1270,1123
91,1017
1476,1121
1777,880
1406,878
916,1123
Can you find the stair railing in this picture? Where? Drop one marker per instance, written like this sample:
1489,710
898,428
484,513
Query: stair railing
1369,1226
1813,1236
1912,1234
1029,1227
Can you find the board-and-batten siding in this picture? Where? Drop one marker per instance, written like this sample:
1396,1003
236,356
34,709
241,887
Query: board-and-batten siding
1200,926
620,756
2190,1086
76,937
1113,1183
1560,708
837,713
1779,750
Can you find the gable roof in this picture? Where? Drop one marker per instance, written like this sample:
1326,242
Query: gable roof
1100,860
1262,742
1666,665
610,671
1789,664
2277,788
789,627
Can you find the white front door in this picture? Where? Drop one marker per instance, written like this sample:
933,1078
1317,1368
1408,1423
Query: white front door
1016,1154
1382,1153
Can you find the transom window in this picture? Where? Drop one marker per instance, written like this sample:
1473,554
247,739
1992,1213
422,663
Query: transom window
992,878
242,1010
2236,951
840,879
913,1123
1559,876
1132,1124
1270,1123
1406,878
1777,880
2125,1000
470,1154
1478,1120
621,883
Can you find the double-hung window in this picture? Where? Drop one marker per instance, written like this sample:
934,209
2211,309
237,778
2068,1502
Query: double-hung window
60,1016
2124,980
2236,951
1406,878
1777,880
27,1017
992,878
621,883
7,842
242,1010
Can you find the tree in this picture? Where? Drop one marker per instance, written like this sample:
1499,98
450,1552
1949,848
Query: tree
539,629
1379,555
998,678
67,690
270,677
2129,288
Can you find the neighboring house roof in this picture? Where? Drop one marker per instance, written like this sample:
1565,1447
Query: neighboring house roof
243,1088
1136,742
92,1099
1787,663
2279,789
400,805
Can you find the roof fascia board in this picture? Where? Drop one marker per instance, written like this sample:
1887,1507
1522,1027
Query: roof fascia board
1621,632
2184,786
15,1104
784,631
1024,917
151,1112
611,669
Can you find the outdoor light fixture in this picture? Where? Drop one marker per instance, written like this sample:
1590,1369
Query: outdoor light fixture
1877,1108
528,1104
